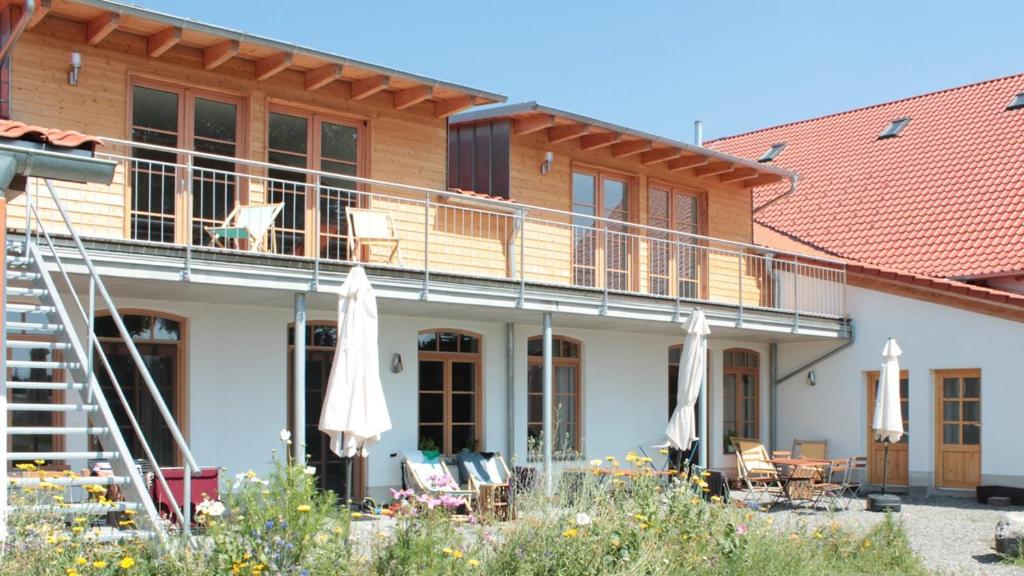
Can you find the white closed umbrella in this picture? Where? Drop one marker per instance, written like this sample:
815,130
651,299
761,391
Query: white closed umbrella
887,425
681,429
355,413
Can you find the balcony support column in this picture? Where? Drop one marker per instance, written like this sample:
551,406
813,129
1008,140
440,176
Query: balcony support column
299,381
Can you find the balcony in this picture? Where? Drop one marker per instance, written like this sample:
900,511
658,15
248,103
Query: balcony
172,196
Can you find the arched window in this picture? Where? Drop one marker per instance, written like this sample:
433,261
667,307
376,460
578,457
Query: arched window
160,339
449,391
566,412
321,341
740,395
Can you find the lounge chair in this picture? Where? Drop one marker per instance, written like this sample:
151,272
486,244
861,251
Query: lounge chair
811,449
250,224
430,475
368,227
487,474
755,470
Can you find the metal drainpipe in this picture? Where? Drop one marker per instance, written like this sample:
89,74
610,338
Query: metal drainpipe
299,381
19,28
510,387
698,132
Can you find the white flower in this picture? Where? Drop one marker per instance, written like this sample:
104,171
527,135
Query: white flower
309,471
210,508
583,519
286,436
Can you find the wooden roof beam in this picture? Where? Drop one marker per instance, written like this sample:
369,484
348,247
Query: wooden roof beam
623,149
738,175
761,180
100,27
686,162
565,133
595,141
368,87
42,9
660,155
531,124
162,41
412,96
270,66
322,76
713,169
214,56
446,108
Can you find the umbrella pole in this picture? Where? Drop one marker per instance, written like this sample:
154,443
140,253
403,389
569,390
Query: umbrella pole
885,467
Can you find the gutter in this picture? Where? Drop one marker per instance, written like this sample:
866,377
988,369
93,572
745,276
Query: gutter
22,161
26,15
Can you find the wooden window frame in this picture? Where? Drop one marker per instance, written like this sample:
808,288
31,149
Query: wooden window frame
556,362
739,371
448,358
315,118
187,93
700,195
940,420
600,269
181,384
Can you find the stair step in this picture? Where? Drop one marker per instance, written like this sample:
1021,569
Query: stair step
22,276
29,308
34,327
26,291
14,385
55,430
43,365
84,455
19,261
78,508
36,344
71,481
15,246
52,407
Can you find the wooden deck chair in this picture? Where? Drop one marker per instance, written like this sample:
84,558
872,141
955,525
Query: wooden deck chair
368,227
431,476
754,469
488,475
811,449
249,223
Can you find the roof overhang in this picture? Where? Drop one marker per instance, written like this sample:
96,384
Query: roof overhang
270,57
592,134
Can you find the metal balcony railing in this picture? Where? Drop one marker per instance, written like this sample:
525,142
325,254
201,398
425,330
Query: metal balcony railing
175,195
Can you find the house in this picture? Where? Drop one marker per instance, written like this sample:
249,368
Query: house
923,198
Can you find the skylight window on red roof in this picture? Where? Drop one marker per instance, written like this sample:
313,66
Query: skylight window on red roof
772,152
1017,102
894,128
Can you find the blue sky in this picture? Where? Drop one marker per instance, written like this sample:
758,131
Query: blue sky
657,66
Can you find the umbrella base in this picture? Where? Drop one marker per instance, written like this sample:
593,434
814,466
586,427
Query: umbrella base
884,502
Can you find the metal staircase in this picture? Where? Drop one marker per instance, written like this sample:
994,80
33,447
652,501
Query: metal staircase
59,420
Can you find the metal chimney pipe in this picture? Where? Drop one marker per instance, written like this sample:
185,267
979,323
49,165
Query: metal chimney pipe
698,132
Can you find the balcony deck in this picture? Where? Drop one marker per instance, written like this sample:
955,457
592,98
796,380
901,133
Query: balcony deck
453,247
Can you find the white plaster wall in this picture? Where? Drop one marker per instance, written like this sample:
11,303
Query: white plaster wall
933,337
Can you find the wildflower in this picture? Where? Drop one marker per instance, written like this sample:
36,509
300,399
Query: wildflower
457,554
309,471
286,436
794,537
402,494
705,474
210,508
357,514
126,562
716,499
595,462
610,458
570,533
867,544
741,529
663,451
26,467
447,551
76,529
99,564
473,562
583,519
632,457
306,508
817,535
71,572
81,561
40,462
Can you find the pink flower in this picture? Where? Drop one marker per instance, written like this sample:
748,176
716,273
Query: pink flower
402,494
741,529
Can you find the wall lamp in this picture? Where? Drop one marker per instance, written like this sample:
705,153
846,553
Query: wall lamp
812,379
549,158
397,366
76,67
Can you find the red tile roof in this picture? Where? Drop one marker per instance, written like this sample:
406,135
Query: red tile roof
14,130
944,199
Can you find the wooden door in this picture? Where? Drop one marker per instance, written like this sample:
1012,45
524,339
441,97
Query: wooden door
958,428
899,453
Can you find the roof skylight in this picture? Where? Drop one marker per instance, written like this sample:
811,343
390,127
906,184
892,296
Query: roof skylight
1017,102
895,128
772,152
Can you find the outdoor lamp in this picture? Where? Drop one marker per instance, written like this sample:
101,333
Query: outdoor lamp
811,378
76,66
396,364
549,158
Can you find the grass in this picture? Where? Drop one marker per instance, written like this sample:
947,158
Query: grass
590,525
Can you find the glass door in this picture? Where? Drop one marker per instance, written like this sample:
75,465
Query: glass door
602,250
958,429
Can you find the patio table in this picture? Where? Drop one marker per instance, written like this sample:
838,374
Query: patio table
796,483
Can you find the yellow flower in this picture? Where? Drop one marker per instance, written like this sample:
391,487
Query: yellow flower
357,514
126,562
71,572
80,561
457,554
716,499
26,467
40,462
570,533
76,529
705,473
631,457
867,544
99,564
306,508
447,551
473,562
817,535
610,458
663,451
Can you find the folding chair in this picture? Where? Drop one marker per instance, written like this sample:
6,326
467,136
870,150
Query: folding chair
835,484
247,223
431,476
488,476
368,227
812,449
754,469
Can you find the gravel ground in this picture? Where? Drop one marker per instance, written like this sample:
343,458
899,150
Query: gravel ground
952,535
